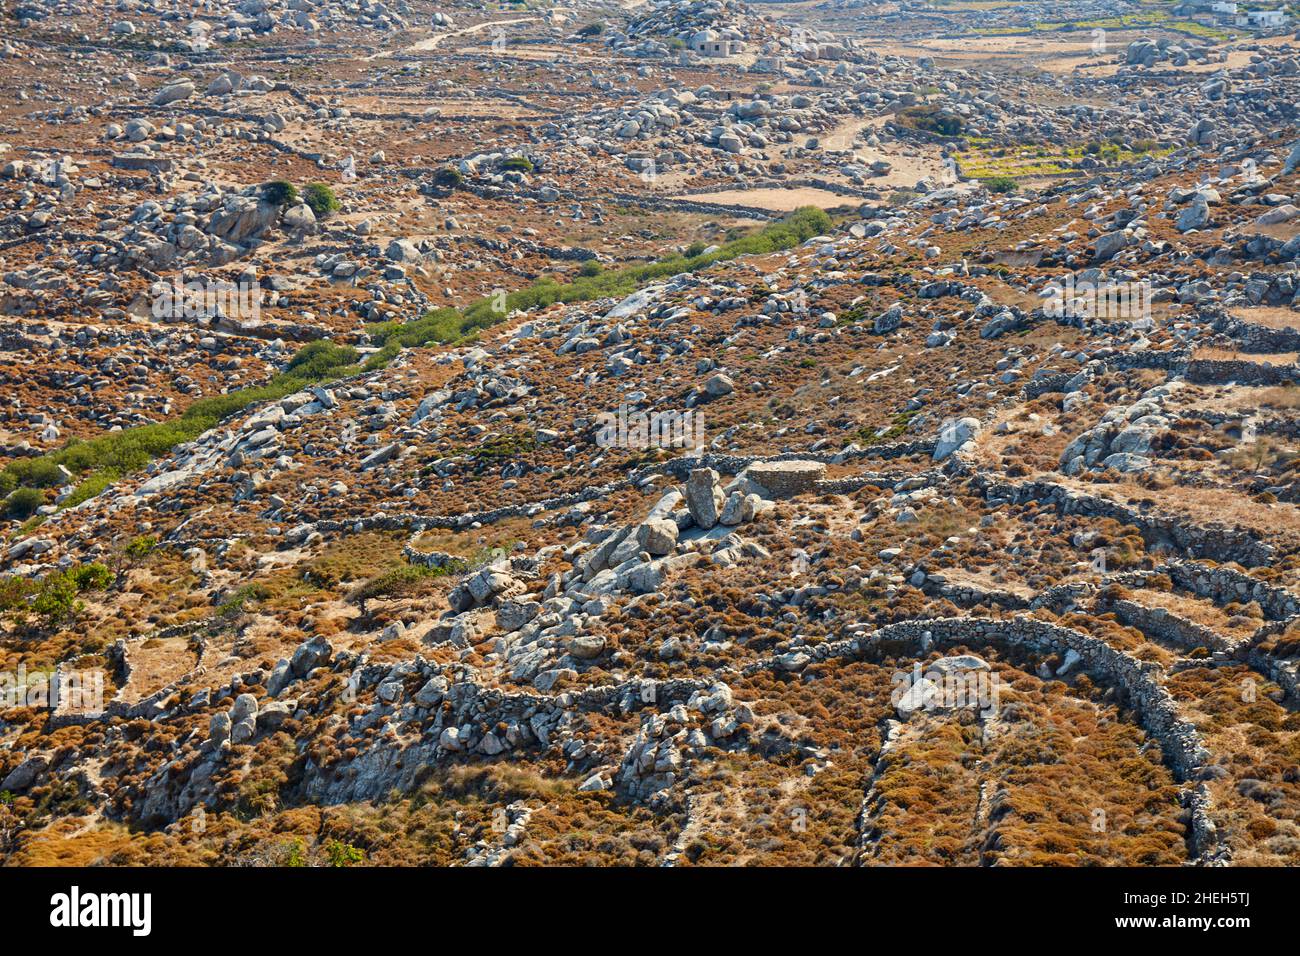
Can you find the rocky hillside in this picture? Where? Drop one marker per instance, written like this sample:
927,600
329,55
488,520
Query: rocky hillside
564,499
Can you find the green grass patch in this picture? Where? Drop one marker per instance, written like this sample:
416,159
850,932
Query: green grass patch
102,460
991,164
446,326
499,447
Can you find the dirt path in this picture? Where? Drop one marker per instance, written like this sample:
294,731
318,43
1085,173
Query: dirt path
431,42
778,200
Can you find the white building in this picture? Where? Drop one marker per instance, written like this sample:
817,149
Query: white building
1266,19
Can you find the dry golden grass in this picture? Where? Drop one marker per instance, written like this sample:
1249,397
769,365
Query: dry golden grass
1216,354
1256,743
1272,316
1235,624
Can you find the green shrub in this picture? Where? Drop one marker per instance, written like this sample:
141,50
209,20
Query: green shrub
343,854
248,594
54,598
519,163
107,458
317,359
141,547
22,504
40,472
321,199
90,486
400,581
447,325
870,436
438,325
91,577
1000,184
590,268
932,119
378,360
280,193
294,853
56,601
14,592
502,446
448,177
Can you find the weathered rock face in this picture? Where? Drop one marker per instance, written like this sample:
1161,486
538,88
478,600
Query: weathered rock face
1124,437
242,218
403,250
299,219
658,536
704,497
888,321
740,508
1108,245
243,719
488,586
220,85
785,479
1292,160
174,93
955,435
1195,215
309,655
25,774
719,385
219,728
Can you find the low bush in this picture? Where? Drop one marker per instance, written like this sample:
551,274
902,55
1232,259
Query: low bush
400,582
53,599
321,199
448,177
280,193
22,504
319,358
932,119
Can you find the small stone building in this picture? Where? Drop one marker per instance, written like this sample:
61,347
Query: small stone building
712,43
